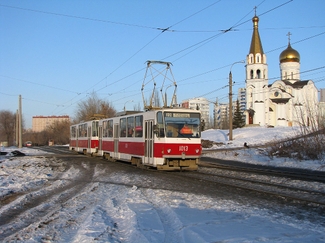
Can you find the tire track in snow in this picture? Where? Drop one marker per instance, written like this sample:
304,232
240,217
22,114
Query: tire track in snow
172,225
36,205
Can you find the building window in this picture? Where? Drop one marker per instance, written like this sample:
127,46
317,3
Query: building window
258,73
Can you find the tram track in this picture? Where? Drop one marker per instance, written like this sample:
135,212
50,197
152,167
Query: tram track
314,176
75,188
290,186
305,187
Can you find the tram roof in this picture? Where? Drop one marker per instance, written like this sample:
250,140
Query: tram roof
181,109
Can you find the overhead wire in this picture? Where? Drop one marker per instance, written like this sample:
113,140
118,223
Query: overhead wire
79,17
163,30
209,39
225,31
307,71
238,23
111,22
38,84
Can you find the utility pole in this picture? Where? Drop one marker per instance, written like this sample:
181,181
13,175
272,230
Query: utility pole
20,129
230,100
230,105
17,128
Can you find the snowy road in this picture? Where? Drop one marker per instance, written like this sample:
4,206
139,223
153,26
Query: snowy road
89,200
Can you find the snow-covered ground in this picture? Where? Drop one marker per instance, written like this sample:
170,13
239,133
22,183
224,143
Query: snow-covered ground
257,136
115,212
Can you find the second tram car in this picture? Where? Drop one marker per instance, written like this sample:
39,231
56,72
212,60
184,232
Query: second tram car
84,137
167,139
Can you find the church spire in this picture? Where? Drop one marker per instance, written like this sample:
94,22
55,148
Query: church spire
256,44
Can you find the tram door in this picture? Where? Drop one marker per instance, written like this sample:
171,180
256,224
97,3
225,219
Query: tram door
100,138
116,137
77,138
89,139
149,142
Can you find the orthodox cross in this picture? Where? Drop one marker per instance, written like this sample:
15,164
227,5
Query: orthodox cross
289,34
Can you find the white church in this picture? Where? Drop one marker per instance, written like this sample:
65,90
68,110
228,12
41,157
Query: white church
286,102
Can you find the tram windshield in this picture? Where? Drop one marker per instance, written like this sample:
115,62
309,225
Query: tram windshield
179,124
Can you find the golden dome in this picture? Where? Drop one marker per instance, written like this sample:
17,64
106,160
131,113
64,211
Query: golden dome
289,55
255,20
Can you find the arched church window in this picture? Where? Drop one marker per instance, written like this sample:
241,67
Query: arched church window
252,74
258,73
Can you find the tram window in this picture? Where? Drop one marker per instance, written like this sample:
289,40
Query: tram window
110,128
186,130
139,126
182,124
160,124
83,130
94,128
123,127
105,130
130,121
73,132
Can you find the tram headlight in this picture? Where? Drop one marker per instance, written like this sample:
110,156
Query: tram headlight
169,150
197,151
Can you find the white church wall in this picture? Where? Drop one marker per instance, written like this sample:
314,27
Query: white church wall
290,71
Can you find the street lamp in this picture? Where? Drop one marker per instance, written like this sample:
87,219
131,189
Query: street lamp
127,102
230,99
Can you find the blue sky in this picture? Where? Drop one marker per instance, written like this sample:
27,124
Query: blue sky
55,53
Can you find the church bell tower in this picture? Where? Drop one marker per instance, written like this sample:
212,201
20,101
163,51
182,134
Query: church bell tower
256,81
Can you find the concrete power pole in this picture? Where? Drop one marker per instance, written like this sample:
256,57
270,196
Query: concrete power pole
230,106
230,100
17,128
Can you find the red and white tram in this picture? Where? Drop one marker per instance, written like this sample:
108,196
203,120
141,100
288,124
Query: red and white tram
84,137
167,139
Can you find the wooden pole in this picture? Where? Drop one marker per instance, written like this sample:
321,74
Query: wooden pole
20,144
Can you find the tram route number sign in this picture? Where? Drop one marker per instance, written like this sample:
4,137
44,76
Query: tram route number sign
179,115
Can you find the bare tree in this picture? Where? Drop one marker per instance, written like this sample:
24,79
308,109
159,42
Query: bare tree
156,100
94,107
7,126
137,107
310,140
38,138
59,132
